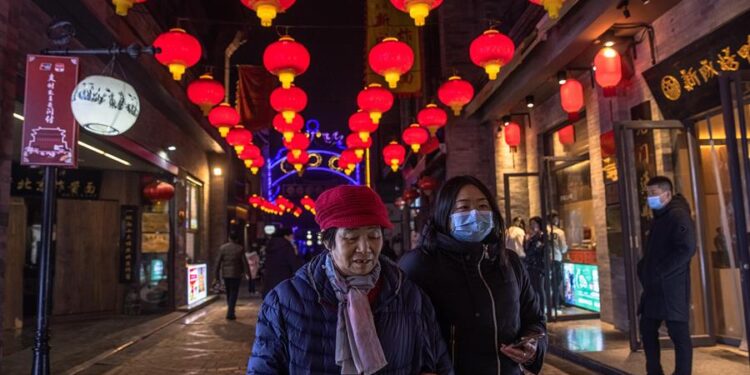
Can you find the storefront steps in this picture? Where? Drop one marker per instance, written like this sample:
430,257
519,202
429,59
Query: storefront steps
600,347
75,345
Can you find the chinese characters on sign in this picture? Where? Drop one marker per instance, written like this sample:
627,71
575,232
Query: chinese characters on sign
71,184
726,61
50,133
128,242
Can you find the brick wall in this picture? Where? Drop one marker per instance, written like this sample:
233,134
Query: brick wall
471,150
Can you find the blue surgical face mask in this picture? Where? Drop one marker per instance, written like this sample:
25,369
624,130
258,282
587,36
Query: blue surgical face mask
655,202
472,226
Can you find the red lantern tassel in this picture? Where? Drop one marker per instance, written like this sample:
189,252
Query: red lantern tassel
574,116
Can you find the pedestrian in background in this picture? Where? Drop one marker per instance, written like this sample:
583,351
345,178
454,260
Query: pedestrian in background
281,259
232,266
486,307
350,310
559,249
515,236
253,263
534,246
664,273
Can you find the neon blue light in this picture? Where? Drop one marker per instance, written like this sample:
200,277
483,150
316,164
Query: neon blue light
310,128
348,178
272,188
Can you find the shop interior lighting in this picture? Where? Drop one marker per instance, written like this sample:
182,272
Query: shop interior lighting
171,148
562,77
105,154
506,120
18,117
530,101
218,171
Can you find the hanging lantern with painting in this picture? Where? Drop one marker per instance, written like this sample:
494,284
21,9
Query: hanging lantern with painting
105,105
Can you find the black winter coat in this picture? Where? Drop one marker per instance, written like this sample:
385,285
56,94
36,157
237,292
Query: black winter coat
664,271
231,262
466,282
281,263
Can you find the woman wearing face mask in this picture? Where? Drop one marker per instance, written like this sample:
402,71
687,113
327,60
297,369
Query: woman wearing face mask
349,311
486,307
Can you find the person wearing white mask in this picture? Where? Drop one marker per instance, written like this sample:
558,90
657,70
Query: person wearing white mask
486,306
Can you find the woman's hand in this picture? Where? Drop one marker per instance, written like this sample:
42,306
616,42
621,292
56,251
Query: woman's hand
521,354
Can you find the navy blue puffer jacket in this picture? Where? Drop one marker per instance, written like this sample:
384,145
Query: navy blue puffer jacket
296,330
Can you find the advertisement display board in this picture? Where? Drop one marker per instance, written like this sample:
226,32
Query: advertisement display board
582,286
197,282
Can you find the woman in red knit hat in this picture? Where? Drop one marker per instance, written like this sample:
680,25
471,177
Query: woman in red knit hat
349,311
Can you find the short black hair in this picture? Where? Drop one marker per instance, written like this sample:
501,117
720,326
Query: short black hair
552,216
662,182
329,237
536,219
517,220
234,236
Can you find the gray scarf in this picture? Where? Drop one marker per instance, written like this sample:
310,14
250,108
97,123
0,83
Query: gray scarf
358,349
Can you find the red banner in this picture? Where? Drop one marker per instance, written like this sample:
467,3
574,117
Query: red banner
50,133
254,88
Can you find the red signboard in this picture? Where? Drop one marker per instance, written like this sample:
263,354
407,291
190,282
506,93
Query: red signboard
50,133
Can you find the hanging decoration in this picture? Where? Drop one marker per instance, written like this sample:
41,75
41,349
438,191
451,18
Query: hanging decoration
551,6
255,200
432,145
571,98
394,155
299,160
267,10
257,164
223,117
238,137
288,101
410,195
492,50
608,70
178,51
375,100
286,59
417,9
297,144
288,129
348,161
391,58
105,105
456,93
567,135
361,123
432,118
427,184
354,142
123,6
250,154
512,135
415,136
308,203
205,92
158,191
297,212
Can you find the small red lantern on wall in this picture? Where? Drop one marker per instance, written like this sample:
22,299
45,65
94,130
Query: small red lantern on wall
567,135
375,100
267,10
238,137
432,118
608,74
205,92
391,59
492,50
456,93
288,130
571,98
512,135
394,155
361,123
158,191
223,117
288,101
178,51
417,9
415,136
286,59
123,6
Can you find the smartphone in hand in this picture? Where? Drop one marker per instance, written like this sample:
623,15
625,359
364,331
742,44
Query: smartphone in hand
526,339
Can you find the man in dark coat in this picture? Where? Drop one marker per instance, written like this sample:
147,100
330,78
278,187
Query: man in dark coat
231,265
281,260
664,273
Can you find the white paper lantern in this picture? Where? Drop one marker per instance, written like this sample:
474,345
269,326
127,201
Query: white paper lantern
105,105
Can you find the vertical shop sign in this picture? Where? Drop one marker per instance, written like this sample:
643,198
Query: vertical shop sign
50,134
128,243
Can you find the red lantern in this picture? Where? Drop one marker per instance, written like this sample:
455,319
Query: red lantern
288,130
491,50
299,160
223,117
297,212
238,137
432,118
348,160
551,6
178,50
427,183
417,9
205,92
250,154
286,59
354,142
267,10
456,93
608,72
299,143
410,195
567,135
158,191
255,200
571,98
430,146
391,58
257,164
415,136
288,101
607,141
361,123
394,155
122,6
375,100
513,135
308,203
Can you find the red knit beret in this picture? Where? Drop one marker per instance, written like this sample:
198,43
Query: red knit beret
349,206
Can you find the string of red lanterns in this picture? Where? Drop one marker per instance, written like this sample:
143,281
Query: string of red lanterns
205,92
391,59
288,102
417,9
286,59
361,123
223,117
238,137
375,100
288,129
178,50
267,10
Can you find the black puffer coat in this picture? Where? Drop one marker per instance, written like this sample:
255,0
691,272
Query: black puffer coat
466,283
664,271
281,263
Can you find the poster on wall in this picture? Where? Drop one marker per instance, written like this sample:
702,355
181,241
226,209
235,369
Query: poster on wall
155,243
582,286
